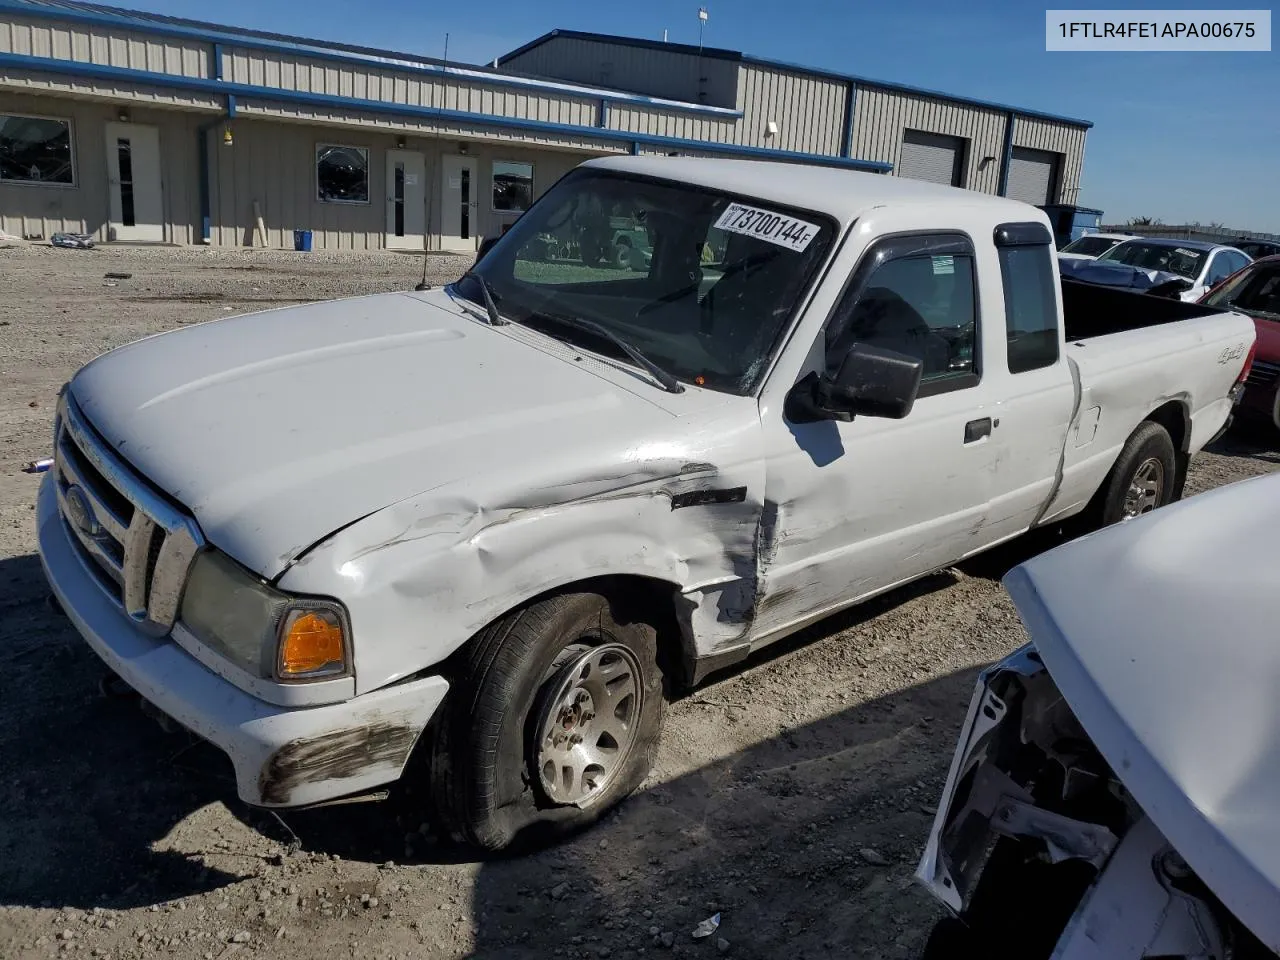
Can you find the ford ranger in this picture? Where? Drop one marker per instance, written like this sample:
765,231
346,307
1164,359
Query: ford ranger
476,535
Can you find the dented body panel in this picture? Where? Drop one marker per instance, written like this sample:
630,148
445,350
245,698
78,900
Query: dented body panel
432,472
1142,717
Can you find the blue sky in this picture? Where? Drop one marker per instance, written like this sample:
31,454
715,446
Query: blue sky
1178,136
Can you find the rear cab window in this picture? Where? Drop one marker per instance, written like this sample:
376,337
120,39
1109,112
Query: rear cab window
1025,253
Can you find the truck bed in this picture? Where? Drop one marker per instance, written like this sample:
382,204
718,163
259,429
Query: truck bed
1090,310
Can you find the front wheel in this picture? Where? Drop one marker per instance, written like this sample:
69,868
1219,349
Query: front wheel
555,716
1144,476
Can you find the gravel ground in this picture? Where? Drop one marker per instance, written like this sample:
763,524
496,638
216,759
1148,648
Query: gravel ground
791,796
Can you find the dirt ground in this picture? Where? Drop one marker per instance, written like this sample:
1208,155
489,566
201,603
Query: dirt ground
792,796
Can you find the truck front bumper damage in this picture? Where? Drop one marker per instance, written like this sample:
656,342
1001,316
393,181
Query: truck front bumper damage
283,757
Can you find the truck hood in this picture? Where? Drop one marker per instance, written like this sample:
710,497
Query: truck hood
1163,634
275,429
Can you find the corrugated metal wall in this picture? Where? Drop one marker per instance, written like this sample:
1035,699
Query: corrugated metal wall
107,47
809,111
670,74
341,116
263,69
274,164
881,117
1056,138
29,209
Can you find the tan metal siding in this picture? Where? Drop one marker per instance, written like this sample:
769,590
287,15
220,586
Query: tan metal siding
60,84
264,69
1066,141
82,208
341,116
881,117
274,163
669,74
652,122
104,45
809,111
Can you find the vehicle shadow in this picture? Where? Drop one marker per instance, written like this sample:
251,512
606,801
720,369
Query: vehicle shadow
804,843
1248,439
91,789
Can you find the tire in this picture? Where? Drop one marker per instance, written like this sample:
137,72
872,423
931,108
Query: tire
622,254
1148,460
488,759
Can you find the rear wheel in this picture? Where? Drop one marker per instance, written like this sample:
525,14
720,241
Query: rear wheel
1144,477
555,716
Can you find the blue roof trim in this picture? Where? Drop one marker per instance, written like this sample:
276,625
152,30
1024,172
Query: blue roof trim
315,49
737,57
202,85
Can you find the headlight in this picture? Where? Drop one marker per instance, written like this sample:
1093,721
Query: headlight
269,633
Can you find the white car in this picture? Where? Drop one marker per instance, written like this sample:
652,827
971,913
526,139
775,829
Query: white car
1114,789
1092,245
487,527
1202,264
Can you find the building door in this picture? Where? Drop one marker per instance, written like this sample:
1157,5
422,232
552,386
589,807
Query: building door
459,208
406,196
135,193
1032,176
932,157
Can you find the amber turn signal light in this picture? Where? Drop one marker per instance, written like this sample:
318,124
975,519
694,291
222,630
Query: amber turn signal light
311,643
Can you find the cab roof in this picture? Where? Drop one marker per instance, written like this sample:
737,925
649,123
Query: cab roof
845,195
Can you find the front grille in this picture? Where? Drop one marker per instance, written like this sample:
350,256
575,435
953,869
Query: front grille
137,545
1263,373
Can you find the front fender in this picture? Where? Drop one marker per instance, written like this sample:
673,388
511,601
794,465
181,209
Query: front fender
422,576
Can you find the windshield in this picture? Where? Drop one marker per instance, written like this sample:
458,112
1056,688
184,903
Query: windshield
1157,256
1255,292
702,283
1090,246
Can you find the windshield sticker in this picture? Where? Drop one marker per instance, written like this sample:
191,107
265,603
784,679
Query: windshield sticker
1187,253
768,226
943,266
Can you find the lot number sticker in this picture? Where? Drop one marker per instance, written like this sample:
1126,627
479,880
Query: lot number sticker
769,226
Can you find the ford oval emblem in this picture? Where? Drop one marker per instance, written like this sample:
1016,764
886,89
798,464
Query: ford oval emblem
80,512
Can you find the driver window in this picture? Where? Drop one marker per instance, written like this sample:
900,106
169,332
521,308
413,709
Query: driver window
921,305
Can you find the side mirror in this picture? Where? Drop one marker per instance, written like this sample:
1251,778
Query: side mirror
871,382
486,244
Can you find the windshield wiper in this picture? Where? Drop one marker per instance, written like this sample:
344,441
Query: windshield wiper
668,382
495,318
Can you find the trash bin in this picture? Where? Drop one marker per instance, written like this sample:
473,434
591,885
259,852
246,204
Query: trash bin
302,240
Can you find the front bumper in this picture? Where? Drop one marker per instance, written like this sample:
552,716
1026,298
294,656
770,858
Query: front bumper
283,757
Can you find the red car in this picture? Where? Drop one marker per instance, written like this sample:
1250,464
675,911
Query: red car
1255,291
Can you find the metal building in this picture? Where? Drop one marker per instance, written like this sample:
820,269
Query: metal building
146,128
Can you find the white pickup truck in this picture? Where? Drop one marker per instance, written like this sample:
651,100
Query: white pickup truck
476,535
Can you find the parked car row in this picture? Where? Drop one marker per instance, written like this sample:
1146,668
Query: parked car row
1244,277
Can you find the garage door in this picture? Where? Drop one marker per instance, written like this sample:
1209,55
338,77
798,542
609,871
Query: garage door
932,157
1032,174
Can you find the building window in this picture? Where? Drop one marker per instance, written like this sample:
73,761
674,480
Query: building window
342,174
35,150
512,186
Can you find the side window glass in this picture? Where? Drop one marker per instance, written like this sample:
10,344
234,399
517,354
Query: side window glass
1030,307
921,305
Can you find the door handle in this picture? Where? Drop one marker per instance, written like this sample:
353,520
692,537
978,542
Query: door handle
977,429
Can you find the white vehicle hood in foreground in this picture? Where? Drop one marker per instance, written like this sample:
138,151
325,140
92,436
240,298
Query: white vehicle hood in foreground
277,428
1163,634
